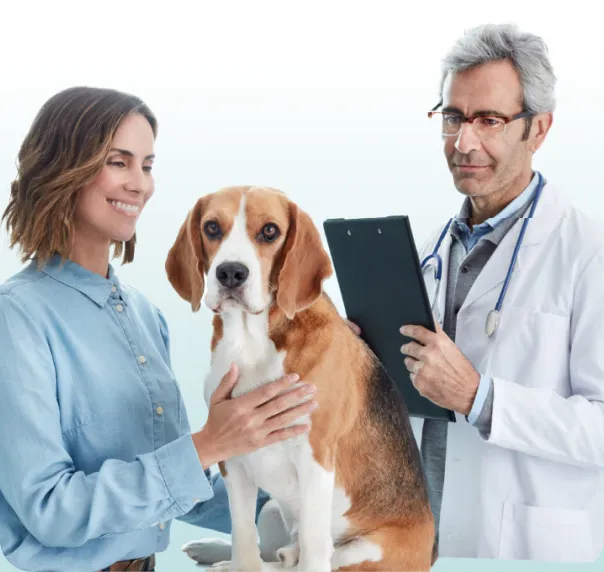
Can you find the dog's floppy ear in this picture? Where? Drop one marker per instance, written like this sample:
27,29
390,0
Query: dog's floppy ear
185,261
304,264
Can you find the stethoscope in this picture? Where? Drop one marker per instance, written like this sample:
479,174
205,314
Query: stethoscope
492,321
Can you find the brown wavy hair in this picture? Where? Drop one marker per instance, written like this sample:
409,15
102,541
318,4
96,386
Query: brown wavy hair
65,150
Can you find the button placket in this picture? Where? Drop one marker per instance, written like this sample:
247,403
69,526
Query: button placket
134,342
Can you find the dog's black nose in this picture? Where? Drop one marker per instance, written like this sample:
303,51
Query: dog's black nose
232,274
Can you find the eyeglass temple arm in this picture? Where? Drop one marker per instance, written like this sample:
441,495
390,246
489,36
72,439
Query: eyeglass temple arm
439,104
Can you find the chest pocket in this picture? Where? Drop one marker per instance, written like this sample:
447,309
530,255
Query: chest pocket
532,347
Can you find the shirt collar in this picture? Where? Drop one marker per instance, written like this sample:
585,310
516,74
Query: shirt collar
92,285
512,211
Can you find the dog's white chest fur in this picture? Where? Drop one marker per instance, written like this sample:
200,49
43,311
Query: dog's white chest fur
245,342
274,468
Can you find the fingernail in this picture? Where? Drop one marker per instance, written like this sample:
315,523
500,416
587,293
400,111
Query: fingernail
310,388
403,330
293,377
314,405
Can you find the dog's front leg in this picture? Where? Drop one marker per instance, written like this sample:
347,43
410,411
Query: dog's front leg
316,497
242,503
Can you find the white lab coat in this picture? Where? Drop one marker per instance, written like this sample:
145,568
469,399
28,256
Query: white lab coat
534,489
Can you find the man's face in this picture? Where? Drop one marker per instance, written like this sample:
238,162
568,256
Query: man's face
484,162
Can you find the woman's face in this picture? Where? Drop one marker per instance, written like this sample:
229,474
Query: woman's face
108,208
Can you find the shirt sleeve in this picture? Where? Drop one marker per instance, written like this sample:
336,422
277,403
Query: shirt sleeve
215,513
59,505
480,400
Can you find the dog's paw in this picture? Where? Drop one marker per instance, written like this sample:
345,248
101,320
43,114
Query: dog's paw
289,555
234,567
208,551
221,566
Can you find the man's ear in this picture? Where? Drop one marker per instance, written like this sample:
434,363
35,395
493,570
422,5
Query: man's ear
304,264
185,261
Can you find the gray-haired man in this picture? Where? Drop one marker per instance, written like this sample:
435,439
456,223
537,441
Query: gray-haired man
518,357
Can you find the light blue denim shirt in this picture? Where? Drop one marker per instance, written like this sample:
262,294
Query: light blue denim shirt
97,456
469,238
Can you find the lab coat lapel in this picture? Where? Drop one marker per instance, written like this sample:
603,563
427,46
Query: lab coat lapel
444,252
547,216
428,273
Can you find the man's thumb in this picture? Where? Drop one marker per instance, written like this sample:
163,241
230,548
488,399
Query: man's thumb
226,385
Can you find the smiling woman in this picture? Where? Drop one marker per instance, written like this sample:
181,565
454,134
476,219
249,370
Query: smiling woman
106,458
70,174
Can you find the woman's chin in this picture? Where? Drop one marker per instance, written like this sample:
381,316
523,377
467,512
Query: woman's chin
122,236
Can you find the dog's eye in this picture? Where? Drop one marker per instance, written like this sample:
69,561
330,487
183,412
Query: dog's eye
212,229
269,232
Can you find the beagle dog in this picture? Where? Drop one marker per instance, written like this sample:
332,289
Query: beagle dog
352,491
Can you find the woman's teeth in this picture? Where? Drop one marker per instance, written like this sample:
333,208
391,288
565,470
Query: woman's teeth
123,207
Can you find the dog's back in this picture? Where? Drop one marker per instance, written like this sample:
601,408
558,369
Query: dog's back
363,418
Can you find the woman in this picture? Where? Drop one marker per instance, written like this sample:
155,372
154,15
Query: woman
97,454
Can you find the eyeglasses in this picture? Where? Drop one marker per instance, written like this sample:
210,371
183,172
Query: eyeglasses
485,125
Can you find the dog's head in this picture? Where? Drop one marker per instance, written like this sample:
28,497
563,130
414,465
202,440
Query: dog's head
250,245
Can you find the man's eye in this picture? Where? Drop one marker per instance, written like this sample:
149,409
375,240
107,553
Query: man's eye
212,230
269,232
452,119
492,121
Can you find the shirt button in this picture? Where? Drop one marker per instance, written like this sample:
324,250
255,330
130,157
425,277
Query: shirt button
162,525
142,359
119,308
159,410
196,501
113,289
464,268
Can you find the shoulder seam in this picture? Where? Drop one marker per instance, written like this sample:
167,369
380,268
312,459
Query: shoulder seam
10,289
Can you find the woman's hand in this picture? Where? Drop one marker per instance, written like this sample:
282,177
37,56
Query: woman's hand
239,425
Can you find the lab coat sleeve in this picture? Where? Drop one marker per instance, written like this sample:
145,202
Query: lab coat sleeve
540,421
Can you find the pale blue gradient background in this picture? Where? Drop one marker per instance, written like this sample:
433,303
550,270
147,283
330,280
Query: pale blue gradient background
326,101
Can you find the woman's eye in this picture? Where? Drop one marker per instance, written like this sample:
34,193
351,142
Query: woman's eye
269,232
116,163
212,229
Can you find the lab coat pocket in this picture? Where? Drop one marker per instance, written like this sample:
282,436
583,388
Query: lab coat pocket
545,534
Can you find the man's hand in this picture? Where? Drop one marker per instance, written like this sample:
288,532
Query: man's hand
439,370
353,327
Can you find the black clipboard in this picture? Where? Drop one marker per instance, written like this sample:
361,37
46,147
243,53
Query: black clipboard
379,274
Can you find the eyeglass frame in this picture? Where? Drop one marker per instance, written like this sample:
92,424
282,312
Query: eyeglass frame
470,119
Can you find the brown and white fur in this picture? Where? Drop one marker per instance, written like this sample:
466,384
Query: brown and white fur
352,491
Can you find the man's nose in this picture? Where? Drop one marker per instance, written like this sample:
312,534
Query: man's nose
232,274
467,140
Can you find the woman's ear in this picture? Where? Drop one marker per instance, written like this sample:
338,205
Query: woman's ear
185,261
304,264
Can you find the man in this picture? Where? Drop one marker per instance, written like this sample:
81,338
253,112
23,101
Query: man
519,475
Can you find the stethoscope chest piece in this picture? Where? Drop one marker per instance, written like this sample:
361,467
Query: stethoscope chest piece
492,322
